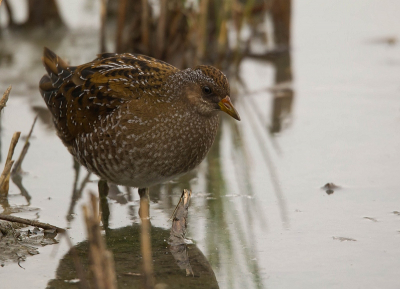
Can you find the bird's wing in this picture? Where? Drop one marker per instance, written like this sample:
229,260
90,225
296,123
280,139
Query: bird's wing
79,97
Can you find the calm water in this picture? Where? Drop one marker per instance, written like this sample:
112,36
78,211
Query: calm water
258,213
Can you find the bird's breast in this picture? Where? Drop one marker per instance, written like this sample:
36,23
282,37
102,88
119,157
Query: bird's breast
141,151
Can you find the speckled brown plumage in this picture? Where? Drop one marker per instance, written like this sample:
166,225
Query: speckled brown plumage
132,119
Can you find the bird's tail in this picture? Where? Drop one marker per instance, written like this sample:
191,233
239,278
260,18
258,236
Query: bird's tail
57,71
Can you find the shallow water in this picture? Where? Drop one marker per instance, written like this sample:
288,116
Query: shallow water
258,213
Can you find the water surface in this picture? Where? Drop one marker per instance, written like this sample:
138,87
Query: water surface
327,112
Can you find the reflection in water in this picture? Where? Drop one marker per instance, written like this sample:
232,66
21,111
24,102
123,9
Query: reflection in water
17,180
229,242
115,194
282,99
283,96
125,245
76,191
222,235
17,172
177,241
283,93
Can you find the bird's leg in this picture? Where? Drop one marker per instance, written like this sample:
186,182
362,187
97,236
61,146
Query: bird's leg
144,209
105,210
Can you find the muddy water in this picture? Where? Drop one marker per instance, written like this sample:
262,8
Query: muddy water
259,213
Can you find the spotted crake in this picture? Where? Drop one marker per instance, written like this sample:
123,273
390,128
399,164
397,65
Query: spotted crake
134,120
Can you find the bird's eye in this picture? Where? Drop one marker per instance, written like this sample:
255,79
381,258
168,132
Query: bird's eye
207,90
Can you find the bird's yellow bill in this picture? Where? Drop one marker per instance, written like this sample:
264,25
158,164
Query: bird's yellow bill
226,105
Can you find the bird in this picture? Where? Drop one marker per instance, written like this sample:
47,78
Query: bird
134,120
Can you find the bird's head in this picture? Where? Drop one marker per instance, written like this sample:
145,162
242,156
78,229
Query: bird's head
207,90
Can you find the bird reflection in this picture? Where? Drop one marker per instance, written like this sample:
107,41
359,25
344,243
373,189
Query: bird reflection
123,243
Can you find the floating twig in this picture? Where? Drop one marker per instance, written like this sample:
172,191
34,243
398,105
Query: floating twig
34,223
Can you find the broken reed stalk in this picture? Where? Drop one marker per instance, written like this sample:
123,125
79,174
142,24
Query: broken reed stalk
4,99
5,176
34,223
145,241
14,141
101,260
178,231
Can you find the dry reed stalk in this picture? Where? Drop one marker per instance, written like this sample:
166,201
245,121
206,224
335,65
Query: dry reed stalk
121,23
202,29
237,11
222,44
101,260
5,176
103,16
145,27
4,99
14,141
161,29
281,15
145,241
175,41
